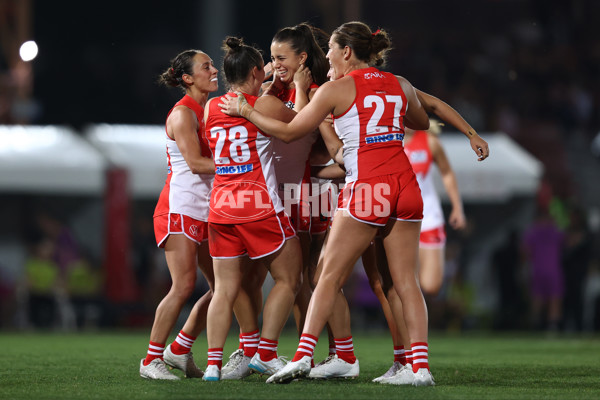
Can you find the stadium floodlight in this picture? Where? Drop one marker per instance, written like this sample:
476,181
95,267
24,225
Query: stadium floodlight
28,50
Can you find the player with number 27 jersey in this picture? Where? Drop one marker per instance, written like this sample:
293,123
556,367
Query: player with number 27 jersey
372,129
380,183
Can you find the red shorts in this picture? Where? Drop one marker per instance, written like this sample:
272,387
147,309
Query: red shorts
256,239
177,224
376,200
307,218
433,238
300,216
324,207
314,210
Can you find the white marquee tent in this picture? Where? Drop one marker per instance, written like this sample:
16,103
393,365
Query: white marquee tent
49,159
58,160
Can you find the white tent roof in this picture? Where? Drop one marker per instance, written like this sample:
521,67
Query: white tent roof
140,149
508,171
54,159
48,159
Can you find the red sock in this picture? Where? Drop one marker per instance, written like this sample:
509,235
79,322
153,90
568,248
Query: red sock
420,355
408,356
267,349
241,346
344,349
155,350
215,357
251,340
399,355
306,347
182,344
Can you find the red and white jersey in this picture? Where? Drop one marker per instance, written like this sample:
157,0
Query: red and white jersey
291,159
421,159
372,128
185,192
245,186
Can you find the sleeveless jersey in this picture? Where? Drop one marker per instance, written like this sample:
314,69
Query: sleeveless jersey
291,159
372,128
245,187
421,159
185,192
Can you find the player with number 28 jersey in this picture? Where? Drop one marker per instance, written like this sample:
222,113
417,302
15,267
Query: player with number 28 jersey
245,187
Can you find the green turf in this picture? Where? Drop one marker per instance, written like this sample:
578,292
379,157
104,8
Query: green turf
474,366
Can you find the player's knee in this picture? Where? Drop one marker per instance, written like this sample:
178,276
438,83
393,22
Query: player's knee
182,291
292,281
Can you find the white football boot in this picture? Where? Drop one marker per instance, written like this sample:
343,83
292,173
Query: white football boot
212,373
240,371
291,371
156,369
404,376
183,362
390,372
335,368
234,360
267,367
423,377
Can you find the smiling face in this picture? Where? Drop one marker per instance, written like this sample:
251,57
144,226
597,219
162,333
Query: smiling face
335,55
205,75
285,61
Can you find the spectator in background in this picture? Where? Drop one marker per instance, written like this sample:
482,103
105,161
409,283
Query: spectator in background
543,244
84,289
577,257
52,250
42,283
506,262
8,302
460,302
66,249
149,271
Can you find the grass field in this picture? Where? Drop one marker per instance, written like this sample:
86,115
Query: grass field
472,366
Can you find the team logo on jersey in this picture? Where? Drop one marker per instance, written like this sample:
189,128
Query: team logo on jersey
194,230
371,75
233,169
242,200
384,138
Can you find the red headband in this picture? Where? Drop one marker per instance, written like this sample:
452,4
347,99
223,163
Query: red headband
376,32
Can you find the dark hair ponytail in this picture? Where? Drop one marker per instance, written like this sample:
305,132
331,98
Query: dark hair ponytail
370,47
239,60
183,63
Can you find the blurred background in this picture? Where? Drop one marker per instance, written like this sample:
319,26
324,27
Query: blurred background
82,152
